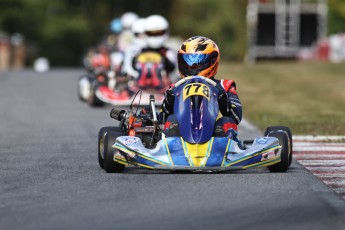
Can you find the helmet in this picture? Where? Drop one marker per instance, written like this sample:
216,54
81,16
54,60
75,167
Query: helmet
116,26
198,56
156,31
127,19
138,30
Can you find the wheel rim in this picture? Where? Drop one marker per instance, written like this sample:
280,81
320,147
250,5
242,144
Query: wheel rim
101,147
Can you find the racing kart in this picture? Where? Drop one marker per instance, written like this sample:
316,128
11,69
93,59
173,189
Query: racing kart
152,79
140,141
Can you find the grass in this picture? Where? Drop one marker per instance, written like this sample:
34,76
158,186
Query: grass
307,97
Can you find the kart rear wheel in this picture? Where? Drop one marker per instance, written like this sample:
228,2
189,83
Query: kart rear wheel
84,83
288,131
283,138
101,134
110,166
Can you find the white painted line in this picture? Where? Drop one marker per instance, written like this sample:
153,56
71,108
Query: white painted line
331,176
319,148
306,156
316,153
339,190
323,162
328,172
337,184
318,144
327,169
317,138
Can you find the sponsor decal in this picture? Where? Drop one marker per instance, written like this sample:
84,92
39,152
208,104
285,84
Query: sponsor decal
131,155
261,141
119,156
196,89
130,141
268,155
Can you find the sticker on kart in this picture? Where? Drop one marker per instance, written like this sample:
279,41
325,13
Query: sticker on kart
129,141
196,89
149,57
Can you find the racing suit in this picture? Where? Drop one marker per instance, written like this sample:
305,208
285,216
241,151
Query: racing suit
229,106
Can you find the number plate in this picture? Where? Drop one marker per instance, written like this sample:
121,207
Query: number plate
149,57
196,89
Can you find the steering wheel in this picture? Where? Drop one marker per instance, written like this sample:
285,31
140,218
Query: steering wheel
183,80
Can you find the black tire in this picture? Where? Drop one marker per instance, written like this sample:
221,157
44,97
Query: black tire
288,131
93,100
79,94
110,166
101,135
283,138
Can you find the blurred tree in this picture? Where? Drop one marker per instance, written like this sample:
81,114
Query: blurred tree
63,29
224,21
53,27
336,19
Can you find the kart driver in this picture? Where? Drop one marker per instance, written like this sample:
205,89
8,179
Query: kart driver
156,34
200,56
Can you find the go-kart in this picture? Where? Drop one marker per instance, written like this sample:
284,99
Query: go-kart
140,141
152,79
88,83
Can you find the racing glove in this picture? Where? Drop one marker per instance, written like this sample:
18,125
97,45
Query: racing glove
168,103
169,95
224,104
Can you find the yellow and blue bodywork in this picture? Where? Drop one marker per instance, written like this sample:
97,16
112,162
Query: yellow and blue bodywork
217,154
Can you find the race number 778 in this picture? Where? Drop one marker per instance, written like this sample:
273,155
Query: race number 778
196,89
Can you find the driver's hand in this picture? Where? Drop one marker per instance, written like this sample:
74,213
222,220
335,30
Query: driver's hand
168,102
223,103
169,97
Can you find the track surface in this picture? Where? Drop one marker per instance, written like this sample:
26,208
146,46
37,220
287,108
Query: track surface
50,178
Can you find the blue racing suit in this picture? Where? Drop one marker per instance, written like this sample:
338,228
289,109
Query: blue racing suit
229,105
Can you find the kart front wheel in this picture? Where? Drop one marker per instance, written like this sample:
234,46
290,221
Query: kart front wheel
101,134
110,166
84,83
289,133
283,165
93,100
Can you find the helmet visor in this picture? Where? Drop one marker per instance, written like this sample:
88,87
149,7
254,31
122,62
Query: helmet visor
192,64
155,33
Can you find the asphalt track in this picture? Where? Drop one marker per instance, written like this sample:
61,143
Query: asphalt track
50,178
